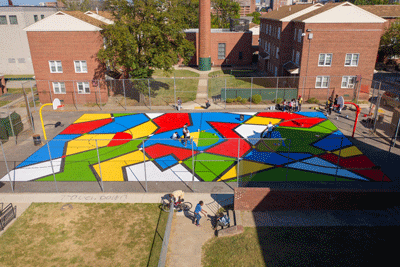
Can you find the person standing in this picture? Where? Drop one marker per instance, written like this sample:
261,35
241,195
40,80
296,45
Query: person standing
300,102
187,137
284,105
269,131
197,211
179,102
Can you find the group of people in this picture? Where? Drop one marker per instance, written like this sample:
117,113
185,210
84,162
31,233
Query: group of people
333,105
186,135
291,105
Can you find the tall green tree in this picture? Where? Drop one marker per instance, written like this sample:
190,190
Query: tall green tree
390,41
256,17
145,35
224,10
372,2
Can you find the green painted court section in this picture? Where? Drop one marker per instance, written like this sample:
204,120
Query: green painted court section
209,140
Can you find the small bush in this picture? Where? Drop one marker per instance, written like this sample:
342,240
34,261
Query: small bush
229,100
256,99
312,100
278,100
243,101
238,99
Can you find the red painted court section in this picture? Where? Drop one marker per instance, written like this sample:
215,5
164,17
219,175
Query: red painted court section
120,139
171,121
159,151
280,115
358,164
85,127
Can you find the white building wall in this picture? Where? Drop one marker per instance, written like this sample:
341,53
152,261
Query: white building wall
14,40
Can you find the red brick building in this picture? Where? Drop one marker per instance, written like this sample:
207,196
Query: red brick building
64,50
324,46
227,47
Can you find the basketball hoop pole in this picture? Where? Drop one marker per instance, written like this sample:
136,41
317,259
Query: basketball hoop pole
41,119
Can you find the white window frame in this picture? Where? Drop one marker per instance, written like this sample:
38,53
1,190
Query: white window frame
279,33
320,80
58,67
299,35
84,86
324,64
297,58
277,53
351,60
80,62
59,86
348,81
5,17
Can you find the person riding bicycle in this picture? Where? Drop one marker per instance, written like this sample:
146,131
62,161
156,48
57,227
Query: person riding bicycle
177,196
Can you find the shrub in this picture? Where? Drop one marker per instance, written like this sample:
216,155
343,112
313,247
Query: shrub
278,100
256,99
243,101
238,99
312,100
229,100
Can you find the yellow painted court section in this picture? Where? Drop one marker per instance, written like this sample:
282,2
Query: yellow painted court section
348,152
198,108
262,121
245,167
92,117
195,137
111,170
142,130
88,142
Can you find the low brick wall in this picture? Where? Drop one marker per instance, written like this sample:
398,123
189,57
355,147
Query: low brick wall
261,199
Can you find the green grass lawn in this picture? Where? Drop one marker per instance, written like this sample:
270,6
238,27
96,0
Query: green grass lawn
19,90
86,235
177,73
303,246
162,90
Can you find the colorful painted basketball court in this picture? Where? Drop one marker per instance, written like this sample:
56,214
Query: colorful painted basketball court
305,146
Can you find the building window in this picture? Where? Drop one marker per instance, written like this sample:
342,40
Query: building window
322,82
277,53
36,18
55,67
270,29
41,16
276,71
325,60
293,56
269,47
13,20
83,87
265,47
295,32
349,81
59,88
11,60
351,59
21,60
221,51
297,58
279,33
80,66
240,55
299,36
3,20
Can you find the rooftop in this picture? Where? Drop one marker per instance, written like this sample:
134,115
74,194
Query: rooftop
82,16
284,12
384,11
317,11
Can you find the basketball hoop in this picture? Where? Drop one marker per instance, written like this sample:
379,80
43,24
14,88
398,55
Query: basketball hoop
56,103
60,107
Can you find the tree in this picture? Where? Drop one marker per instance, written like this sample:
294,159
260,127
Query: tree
256,17
390,41
224,10
146,35
372,2
74,5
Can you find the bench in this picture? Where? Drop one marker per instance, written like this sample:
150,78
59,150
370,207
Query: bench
6,215
216,98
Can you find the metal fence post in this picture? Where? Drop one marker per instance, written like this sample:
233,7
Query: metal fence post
11,125
225,93
251,90
51,97
123,85
358,91
101,175
192,167
377,107
238,160
52,167
144,164
33,96
287,168
395,136
5,161
148,82
277,87
373,93
98,86
340,151
76,101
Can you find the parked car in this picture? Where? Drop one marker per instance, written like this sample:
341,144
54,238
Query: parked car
391,99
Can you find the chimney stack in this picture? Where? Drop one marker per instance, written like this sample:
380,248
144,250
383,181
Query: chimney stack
205,35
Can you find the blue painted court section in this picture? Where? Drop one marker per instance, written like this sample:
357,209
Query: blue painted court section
333,141
325,167
314,114
275,158
166,162
121,124
56,149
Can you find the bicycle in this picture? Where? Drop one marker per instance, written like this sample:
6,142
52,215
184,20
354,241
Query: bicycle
185,206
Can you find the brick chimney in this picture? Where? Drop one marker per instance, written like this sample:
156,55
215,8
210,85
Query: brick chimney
205,35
